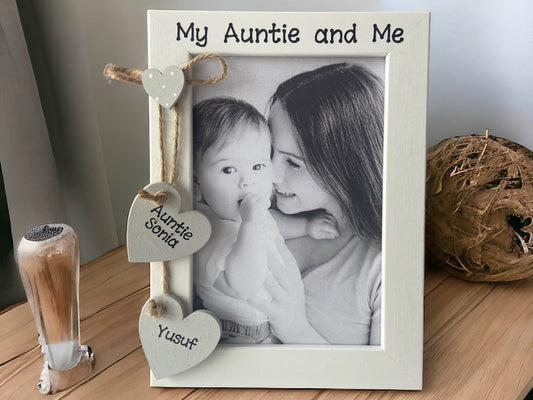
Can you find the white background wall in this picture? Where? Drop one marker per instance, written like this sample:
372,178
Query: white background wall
481,65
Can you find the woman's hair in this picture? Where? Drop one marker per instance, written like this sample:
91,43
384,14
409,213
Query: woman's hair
336,112
214,119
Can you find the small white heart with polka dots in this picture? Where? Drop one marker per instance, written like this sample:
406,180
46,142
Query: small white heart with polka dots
166,87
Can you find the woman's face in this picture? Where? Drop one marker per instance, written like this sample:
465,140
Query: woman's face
295,189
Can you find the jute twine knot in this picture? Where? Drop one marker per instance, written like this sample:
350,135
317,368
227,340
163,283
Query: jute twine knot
159,198
155,309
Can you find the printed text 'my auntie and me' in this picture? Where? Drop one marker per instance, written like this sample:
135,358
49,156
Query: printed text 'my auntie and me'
284,34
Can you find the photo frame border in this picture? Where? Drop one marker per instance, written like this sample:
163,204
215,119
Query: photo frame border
397,363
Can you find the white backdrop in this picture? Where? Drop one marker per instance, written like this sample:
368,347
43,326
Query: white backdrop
481,58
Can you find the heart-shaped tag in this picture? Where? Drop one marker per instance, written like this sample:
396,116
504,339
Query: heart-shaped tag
160,232
172,344
166,87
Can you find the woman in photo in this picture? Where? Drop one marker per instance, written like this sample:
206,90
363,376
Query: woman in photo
327,134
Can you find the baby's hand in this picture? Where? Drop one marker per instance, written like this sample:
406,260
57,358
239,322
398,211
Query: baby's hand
254,208
322,226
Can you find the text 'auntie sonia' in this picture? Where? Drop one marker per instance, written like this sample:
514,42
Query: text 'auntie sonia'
167,228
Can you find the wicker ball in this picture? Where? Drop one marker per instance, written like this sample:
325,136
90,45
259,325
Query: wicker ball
479,208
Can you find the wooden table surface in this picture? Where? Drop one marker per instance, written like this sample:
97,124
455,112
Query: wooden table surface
478,342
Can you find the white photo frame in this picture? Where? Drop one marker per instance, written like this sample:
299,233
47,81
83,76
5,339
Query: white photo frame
403,40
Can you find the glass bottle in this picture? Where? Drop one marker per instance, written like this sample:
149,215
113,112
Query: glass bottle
48,259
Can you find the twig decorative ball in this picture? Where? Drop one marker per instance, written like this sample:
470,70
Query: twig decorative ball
479,208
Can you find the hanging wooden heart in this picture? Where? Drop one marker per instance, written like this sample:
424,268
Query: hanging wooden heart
159,232
173,344
166,87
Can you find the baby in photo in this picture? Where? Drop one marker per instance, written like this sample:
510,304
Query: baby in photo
233,187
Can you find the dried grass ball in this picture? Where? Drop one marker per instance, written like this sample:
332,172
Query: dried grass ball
479,208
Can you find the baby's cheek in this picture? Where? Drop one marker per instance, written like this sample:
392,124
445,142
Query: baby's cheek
266,187
266,196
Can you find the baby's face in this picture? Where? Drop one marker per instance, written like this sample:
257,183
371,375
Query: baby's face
228,172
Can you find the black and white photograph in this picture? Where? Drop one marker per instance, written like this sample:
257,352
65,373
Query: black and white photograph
288,168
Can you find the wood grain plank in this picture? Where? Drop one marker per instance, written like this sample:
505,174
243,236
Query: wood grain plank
254,394
112,333
18,333
504,331
131,376
433,278
486,355
448,304
27,364
110,279
348,395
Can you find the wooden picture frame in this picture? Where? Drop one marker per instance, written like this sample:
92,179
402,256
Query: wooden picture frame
401,40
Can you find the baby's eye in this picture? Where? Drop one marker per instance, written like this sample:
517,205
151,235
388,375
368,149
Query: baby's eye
228,170
293,165
259,167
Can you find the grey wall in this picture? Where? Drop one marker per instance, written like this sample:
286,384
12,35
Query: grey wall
481,58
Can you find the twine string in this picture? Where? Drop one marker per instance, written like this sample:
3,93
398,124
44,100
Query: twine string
161,128
211,81
134,76
123,74
175,141
153,308
175,146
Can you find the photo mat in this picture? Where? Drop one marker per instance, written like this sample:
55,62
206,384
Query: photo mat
401,40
